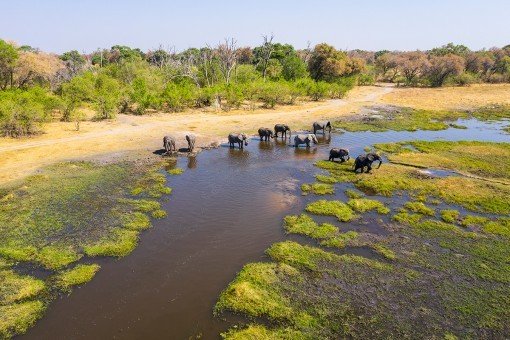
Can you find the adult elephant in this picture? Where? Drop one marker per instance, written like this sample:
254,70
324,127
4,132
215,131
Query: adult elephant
239,138
339,153
305,139
322,125
169,144
265,134
190,138
366,160
281,128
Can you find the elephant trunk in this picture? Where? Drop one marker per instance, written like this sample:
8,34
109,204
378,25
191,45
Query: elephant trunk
380,162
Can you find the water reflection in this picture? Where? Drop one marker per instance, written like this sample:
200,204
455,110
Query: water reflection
192,162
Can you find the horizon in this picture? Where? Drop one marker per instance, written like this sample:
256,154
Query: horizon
65,26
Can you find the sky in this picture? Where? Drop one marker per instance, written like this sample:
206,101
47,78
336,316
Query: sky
63,25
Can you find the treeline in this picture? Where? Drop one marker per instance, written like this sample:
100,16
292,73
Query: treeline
447,65
37,86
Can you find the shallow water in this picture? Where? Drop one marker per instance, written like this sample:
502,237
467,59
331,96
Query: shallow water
225,210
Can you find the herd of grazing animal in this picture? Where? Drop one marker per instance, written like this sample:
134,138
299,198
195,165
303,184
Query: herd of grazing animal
361,162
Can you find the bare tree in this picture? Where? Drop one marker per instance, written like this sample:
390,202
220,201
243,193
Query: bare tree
227,57
206,59
266,51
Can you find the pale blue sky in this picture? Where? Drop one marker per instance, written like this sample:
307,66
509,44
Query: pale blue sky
61,25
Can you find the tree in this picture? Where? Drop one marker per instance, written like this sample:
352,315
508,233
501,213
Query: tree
245,55
387,63
442,67
263,54
450,48
74,93
73,61
293,68
412,65
106,96
227,57
326,63
36,68
8,58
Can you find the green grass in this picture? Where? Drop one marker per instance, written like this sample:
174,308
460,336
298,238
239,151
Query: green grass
450,215
119,243
136,221
353,193
318,188
175,171
300,256
327,234
18,317
365,204
56,257
419,208
326,179
78,275
332,208
260,332
14,287
384,251
405,120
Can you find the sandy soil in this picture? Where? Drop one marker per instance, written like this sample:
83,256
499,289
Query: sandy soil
143,134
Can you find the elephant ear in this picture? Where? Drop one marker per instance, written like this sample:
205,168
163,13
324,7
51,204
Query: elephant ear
370,157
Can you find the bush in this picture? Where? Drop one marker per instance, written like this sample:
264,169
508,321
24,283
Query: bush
21,112
465,79
366,79
178,96
106,96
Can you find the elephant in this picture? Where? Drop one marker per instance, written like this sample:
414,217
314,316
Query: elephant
265,134
305,139
322,125
339,153
283,129
363,161
190,138
169,144
238,138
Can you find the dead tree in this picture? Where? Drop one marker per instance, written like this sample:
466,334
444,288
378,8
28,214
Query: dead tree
227,57
266,50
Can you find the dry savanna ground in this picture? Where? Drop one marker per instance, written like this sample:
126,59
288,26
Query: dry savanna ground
140,135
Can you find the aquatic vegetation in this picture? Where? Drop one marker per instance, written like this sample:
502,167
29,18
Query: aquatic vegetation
332,208
365,204
55,257
318,188
175,171
327,234
472,157
255,291
326,179
296,255
260,332
420,208
402,119
119,242
14,287
384,251
18,317
450,215
159,213
353,193
136,221
78,275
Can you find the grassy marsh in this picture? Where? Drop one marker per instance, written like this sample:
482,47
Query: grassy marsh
56,217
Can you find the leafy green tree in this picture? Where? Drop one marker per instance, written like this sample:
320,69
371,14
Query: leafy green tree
75,93
106,96
293,68
450,48
274,69
8,58
74,61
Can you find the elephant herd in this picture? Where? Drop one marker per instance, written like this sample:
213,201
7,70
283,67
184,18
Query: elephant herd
240,139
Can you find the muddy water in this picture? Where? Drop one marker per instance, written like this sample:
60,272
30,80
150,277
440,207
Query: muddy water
225,210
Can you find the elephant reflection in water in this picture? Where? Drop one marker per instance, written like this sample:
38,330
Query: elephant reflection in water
192,162
324,139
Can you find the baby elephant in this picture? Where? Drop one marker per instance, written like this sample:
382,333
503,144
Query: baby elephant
363,161
283,129
238,138
305,139
265,134
190,138
339,153
322,125
169,144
